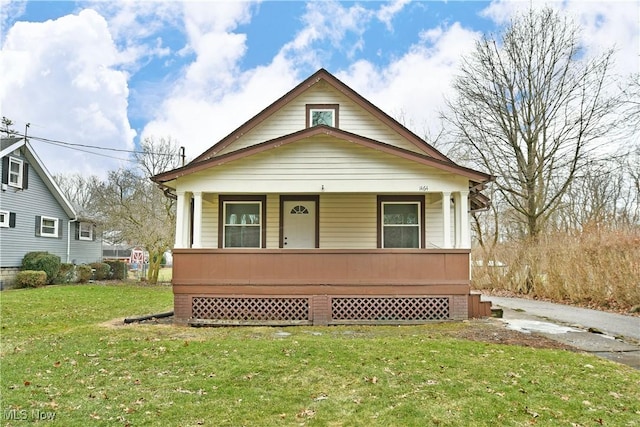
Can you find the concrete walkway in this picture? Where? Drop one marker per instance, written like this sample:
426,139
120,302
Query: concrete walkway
612,336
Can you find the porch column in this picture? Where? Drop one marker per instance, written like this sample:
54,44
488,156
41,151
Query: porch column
446,219
457,218
197,220
463,224
181,215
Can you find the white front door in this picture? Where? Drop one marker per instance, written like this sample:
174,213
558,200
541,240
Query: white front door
299,224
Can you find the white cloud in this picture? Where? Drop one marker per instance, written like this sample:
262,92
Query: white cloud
387,12
215,95
9,11
412,88
62,77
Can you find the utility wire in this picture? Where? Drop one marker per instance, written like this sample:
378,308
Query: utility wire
86,151
70,144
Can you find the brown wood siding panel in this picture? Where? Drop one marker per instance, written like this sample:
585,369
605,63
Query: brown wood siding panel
328,289
419,268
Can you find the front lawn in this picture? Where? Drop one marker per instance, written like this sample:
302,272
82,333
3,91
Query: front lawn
68,359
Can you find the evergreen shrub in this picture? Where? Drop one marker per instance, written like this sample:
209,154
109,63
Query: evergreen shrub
42,261
31,279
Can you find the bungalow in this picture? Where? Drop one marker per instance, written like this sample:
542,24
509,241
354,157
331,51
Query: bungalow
322,209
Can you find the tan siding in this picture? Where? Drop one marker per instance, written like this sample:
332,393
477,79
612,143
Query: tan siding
305,166
291,118
348,221
434,221
210,221
273,221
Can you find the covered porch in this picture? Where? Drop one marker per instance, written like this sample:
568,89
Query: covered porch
344,272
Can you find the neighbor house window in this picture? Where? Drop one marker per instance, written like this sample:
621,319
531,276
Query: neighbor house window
15,172
322,114
242,222
401,222
86,231
47,226
4,219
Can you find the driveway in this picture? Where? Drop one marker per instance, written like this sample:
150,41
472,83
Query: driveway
612,336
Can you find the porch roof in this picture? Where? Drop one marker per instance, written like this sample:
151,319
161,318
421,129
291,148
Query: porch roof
476,177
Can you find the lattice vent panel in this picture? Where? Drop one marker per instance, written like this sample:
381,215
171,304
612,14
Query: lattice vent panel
390,309
250,308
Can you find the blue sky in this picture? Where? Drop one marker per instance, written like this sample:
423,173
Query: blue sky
108,73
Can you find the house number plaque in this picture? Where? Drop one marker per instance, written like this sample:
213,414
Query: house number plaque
423,188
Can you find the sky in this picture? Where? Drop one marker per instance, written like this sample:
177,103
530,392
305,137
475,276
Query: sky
111,73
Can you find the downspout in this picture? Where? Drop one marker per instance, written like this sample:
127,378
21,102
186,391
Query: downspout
69,239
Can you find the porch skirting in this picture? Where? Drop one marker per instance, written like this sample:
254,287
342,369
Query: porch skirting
320,287
318,309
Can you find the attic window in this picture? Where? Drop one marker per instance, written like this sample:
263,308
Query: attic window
15,172
322,114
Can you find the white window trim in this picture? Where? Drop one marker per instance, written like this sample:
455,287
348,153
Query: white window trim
329,110
90,226
55,226
18,175
4,219
225,224
419,222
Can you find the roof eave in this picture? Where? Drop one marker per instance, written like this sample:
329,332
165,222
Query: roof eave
193,167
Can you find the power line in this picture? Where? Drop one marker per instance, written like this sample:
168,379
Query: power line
84,151
70,144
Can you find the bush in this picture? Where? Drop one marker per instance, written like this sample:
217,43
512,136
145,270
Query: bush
118,269
102,270
66,274
42,261
83,273
31,279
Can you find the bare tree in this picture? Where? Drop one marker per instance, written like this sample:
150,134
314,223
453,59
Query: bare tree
78,190
531,110
134,208
631,103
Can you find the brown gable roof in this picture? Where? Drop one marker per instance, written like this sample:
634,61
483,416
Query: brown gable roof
322,74
445,165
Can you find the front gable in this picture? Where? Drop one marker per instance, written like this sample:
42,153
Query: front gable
287,115
294,116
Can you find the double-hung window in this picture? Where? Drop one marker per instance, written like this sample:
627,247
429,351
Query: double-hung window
401,222
242,222
86,231
15,172
49,226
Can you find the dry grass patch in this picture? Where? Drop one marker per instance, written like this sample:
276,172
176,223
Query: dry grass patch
598,268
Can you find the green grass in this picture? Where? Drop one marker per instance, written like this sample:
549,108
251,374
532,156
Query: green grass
63,354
